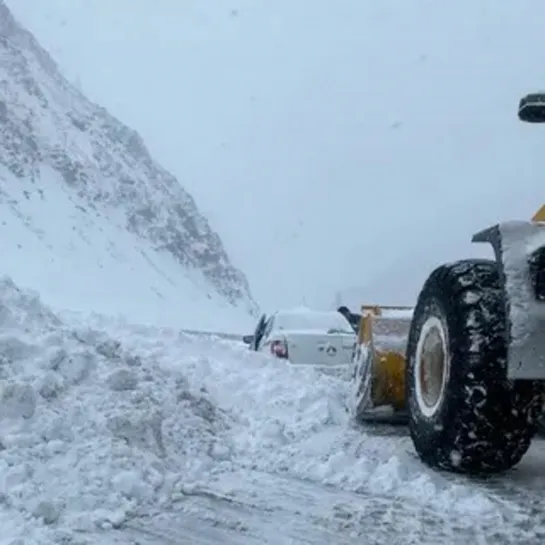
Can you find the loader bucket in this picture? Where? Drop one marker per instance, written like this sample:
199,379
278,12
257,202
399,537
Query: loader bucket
379,377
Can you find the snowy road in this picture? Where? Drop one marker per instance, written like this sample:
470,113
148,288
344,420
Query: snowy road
250,508
125,434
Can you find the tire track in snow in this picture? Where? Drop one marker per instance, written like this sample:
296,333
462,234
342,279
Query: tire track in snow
254,507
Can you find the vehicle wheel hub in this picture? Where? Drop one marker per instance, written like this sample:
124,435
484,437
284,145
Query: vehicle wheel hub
431,366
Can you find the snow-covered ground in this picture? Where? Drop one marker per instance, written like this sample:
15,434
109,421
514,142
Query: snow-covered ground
119,433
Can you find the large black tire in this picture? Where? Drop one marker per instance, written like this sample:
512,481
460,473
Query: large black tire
482,422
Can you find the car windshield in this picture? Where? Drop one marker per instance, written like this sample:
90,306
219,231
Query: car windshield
322,321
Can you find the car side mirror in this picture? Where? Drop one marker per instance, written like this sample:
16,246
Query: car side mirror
247,339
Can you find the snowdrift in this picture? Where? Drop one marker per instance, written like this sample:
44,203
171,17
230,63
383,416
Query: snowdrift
86,423
103,425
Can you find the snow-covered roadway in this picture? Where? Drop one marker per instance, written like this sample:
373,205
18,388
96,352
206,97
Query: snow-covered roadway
118,433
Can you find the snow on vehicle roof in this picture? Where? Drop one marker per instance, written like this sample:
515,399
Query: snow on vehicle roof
302,318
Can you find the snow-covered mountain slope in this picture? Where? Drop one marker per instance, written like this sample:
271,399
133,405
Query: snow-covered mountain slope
145,430
88,218
362,133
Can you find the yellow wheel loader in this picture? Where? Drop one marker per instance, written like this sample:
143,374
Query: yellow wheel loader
470,379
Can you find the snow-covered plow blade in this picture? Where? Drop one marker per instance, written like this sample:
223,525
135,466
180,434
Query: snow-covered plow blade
378,381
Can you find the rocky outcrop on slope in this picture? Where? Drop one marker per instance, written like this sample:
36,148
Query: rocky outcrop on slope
46,123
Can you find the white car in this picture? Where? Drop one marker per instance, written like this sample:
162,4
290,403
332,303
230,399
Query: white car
305,337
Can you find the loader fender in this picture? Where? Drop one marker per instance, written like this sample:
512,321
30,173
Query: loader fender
465,414
519,248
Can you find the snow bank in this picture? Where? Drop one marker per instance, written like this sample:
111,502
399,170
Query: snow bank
293,421
99,425
90,433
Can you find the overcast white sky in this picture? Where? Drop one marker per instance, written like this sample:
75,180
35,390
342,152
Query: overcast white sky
332,144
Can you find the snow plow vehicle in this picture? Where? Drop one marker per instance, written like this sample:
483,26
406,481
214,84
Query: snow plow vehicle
474,357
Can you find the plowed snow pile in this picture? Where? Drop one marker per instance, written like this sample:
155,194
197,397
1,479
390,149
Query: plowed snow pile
106,423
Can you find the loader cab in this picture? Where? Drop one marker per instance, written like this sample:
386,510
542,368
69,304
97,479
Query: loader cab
532,108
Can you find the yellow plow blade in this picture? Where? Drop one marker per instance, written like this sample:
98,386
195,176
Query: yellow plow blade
379,375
